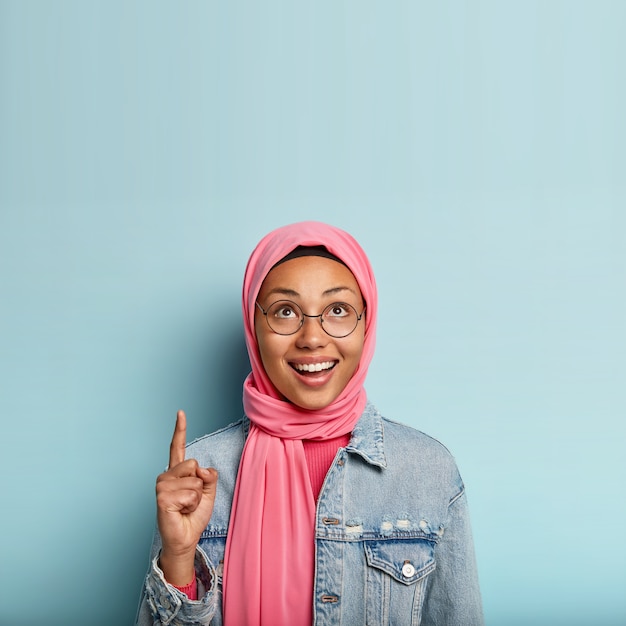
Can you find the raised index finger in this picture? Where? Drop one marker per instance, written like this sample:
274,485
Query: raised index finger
179,439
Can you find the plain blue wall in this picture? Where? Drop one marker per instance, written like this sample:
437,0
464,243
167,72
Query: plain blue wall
477,151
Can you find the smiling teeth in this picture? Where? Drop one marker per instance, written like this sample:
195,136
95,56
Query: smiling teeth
313,367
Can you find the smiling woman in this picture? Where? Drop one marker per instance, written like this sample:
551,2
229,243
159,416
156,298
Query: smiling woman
324,511
307,365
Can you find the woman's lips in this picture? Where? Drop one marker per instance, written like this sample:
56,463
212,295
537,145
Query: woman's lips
314,374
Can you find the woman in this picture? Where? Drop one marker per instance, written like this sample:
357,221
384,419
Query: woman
324,512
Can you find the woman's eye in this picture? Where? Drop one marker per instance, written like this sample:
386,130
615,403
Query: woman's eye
285,312
338,310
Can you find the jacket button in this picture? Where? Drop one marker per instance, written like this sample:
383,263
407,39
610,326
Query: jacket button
408,571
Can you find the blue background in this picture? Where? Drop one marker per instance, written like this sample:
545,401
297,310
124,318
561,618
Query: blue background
477,150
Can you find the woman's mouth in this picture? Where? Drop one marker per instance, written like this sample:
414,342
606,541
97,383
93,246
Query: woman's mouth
314,374
313,368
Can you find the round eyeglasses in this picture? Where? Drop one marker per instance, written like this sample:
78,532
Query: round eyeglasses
338,319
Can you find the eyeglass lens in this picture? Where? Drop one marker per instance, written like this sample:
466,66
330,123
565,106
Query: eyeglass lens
338,319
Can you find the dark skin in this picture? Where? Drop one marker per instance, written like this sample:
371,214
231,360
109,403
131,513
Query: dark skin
185,496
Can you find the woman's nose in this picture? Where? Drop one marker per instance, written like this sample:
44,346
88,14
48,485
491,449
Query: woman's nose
311,334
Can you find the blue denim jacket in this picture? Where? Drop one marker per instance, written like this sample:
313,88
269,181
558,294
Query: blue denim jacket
393,540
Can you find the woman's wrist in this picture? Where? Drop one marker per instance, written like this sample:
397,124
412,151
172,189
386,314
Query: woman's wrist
178,570
190,590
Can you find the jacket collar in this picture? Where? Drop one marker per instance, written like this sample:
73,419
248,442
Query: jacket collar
368,437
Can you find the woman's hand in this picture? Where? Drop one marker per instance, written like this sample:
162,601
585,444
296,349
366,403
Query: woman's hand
185,495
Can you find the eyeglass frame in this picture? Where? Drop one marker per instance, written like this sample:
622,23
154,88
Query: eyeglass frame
332,304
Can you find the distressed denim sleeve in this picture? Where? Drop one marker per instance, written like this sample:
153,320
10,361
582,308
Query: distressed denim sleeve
453,593
161,603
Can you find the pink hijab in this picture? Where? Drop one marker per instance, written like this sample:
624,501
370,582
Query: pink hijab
270,550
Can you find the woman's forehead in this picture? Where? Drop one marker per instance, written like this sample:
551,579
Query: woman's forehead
309,275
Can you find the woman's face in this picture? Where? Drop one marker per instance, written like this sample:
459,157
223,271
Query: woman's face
313,283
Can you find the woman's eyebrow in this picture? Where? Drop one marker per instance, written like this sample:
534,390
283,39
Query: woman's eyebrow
283,291
335,290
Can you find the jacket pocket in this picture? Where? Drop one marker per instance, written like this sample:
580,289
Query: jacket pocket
397,574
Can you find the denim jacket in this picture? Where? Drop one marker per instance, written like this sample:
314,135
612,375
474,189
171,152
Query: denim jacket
393,543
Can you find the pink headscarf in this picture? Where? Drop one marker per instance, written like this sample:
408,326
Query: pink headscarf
270,550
